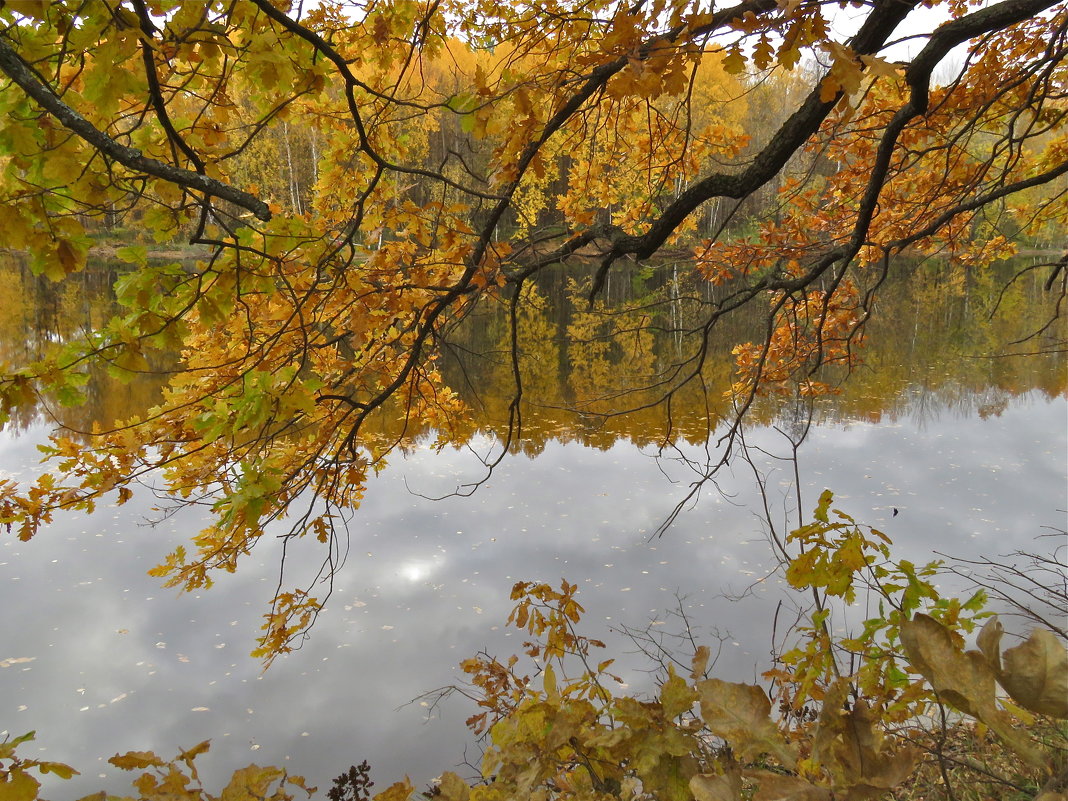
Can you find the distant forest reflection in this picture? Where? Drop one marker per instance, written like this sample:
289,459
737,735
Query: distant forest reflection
942,339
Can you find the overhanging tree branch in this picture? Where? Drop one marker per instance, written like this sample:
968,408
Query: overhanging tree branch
793,133
22,76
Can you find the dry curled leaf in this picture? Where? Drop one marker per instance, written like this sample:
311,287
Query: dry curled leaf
963,679
717,787
741,715
1035,674
777,787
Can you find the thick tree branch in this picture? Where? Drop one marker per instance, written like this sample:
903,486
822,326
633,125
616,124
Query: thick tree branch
22,76
155,91
804,122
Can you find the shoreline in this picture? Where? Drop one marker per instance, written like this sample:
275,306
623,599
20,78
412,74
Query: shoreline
586,254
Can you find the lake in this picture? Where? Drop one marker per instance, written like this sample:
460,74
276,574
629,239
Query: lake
940,440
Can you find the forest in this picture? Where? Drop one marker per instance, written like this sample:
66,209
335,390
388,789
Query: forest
338,231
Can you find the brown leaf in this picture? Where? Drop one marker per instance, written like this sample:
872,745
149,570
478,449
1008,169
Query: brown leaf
857,748
195,751
962,679
777,787
135,760
874,765
741,715
453,788
850,746
710,787
69,257
676,696
398,791
989,642
700,661
1035,674
250,782
831,721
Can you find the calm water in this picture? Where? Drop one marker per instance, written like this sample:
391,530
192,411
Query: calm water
99,659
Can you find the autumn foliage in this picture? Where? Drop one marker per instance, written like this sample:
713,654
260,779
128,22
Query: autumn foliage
355,182
848,717
358,180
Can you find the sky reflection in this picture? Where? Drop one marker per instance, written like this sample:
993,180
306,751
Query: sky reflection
116,663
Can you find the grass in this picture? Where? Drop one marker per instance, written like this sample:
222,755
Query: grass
966,762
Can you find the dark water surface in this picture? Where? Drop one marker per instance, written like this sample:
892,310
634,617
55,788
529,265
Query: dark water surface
98,659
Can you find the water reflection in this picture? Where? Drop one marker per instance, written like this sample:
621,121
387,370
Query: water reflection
939,340
943,338
38,315
98,659
119,664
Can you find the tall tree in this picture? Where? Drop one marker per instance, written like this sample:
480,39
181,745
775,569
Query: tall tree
309,336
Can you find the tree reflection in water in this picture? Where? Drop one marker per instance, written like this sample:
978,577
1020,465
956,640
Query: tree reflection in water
426,583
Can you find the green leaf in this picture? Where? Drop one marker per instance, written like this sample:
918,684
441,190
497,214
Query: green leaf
68,395
7,750
462,102
133,254
826,497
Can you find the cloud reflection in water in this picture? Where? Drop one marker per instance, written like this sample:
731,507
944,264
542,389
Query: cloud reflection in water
120,664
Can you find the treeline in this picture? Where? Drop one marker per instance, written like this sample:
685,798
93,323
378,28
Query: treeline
583,364
441,121
446,125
